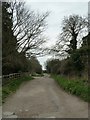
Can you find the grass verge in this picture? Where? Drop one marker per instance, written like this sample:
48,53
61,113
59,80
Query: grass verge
13,85
76,87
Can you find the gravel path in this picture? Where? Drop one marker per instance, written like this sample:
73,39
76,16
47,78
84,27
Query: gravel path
43,98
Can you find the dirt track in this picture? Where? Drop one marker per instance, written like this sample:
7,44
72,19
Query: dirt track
43,98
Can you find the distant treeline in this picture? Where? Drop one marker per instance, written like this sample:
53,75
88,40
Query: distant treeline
75,65
77,61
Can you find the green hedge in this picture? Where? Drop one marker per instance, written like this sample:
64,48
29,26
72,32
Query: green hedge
76,87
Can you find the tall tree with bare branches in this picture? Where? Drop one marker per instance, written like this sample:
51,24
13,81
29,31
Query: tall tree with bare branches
72,27
22,36
28,27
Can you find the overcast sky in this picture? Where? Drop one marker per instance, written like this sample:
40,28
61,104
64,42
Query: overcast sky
57,12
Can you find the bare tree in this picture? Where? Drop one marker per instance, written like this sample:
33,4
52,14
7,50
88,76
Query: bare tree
28,28
72,27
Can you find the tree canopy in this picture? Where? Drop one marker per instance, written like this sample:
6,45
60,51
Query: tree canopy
22,32
69,38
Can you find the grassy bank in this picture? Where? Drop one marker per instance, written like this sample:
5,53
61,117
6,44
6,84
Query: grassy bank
13,85
76,87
